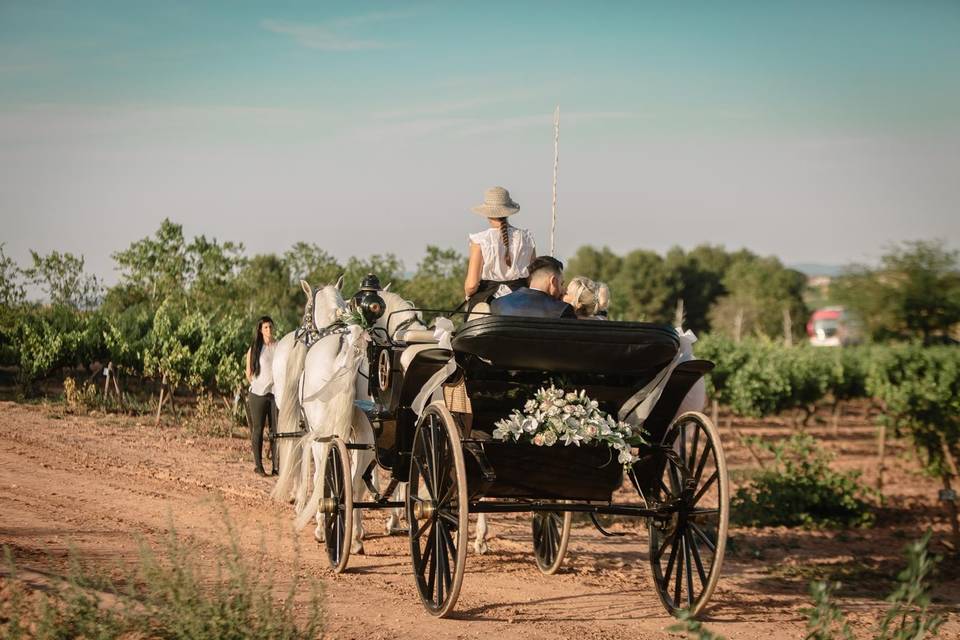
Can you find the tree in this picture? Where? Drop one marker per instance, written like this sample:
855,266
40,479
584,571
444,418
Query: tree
264,288
307,261
157,266
596,264
12,295
212,270
62,278
438,281
700,277
643,289
11,287
387,267
914,293
758,292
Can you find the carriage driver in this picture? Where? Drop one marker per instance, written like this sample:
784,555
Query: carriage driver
542,299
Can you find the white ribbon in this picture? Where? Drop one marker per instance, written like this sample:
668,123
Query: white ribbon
644,400
443,333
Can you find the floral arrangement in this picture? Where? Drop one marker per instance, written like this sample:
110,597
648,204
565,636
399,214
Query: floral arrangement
554,415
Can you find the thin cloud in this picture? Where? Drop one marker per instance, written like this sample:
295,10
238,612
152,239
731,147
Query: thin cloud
331,35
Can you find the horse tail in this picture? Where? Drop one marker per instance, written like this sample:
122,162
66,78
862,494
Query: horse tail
289,451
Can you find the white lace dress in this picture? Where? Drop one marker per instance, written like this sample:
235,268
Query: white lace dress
522,250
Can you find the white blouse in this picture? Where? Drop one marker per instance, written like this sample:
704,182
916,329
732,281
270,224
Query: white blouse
262,384
522,249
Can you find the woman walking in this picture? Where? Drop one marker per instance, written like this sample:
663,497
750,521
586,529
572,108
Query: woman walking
261,408
499,255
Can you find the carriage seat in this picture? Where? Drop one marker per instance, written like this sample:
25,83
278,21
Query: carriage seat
411,352
417,336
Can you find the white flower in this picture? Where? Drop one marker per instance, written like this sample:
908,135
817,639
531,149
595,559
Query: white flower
549,438
529,425
626,457
571,437
546,406
553,411
568,408
539,439
530,406
590,430
559,403
570,397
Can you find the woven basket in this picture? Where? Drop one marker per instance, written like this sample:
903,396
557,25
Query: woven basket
455,395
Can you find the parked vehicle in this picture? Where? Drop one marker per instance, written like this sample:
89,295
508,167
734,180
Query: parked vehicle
833,327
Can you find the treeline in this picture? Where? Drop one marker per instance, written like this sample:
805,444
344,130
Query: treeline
913,293
183,309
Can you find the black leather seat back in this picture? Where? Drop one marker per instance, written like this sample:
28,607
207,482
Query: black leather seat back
567,346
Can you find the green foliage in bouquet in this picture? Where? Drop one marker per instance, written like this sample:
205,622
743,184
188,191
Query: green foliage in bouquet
556,416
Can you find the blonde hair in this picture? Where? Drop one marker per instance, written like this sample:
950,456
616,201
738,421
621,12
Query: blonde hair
589,298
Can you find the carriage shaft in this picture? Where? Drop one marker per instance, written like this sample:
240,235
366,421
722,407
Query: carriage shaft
386,504
581,507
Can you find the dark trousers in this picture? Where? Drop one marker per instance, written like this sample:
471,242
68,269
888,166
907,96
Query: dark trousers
262,410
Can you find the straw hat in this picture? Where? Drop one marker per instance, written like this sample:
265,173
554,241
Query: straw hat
497,204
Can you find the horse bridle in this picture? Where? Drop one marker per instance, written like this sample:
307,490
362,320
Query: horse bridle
308,333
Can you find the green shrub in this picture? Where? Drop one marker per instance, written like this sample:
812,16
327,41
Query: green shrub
168,596
800,489
907,618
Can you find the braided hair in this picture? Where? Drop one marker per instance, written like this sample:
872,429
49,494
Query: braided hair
505,238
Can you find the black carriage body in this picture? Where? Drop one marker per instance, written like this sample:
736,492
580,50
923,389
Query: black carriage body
503,361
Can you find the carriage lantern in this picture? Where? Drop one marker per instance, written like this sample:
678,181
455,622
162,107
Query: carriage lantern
368,301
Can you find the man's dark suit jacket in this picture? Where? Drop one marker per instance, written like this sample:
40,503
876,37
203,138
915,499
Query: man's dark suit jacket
531,303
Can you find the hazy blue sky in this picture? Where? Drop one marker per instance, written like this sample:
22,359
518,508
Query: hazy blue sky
819,132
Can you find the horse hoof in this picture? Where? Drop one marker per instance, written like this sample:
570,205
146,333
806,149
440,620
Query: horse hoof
358,551
318,535
481,547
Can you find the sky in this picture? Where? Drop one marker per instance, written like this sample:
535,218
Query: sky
820,132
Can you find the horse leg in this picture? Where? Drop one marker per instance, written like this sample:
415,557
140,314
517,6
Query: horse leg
395,520
480,543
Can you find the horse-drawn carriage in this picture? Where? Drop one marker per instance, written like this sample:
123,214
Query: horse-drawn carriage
436,398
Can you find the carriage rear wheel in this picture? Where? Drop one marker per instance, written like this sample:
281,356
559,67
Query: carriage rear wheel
551,534
437,510
337,505
686,550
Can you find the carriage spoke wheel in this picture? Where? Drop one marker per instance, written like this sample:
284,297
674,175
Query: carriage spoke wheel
551,534
437,510
686,550
337,505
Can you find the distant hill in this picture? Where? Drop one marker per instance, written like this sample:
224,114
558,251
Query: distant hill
810,270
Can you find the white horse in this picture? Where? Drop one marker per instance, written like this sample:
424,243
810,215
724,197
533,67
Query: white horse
321,381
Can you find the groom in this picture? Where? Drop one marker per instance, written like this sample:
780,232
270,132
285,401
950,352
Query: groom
542,299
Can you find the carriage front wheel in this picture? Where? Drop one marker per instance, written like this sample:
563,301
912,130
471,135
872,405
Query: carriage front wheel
551,534
686,550
337,505
437,510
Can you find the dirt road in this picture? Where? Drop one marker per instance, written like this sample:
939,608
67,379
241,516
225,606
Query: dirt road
98,483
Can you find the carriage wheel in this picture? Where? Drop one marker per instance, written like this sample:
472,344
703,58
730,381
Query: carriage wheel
437,510
551,534
686,550
337,505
